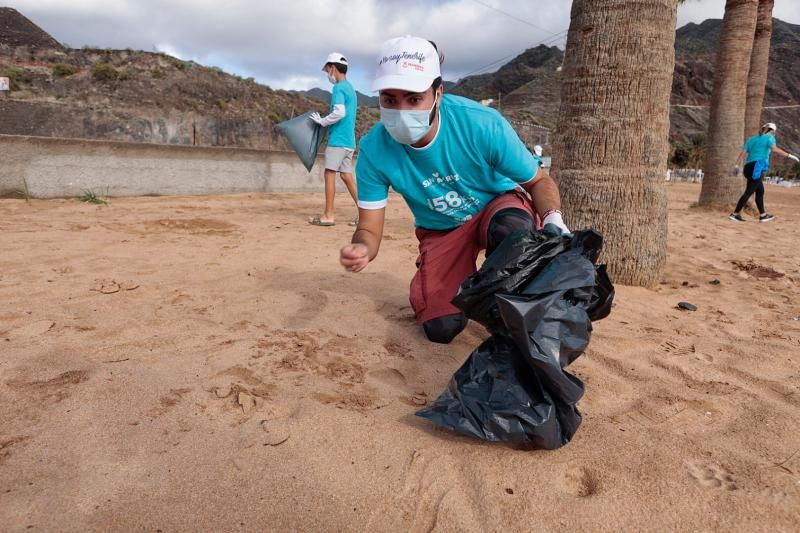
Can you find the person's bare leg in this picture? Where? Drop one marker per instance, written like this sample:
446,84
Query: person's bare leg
330,195
350,182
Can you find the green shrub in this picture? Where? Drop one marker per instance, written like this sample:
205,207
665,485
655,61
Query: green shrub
16,77
62,70
157,73
104,72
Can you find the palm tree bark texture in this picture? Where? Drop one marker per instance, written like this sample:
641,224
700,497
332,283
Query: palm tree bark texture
759,67
728,101
611,145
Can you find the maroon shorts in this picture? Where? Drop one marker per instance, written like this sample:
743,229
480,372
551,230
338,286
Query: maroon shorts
447,257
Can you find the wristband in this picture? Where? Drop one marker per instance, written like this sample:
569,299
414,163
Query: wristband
555,218
550,212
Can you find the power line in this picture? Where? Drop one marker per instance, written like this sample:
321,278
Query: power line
488,65
554,38
513,17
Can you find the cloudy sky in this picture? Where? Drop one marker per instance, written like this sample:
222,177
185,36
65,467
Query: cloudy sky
283,43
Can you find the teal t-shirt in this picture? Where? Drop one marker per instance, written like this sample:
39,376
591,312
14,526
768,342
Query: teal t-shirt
758,147
475,156
343,133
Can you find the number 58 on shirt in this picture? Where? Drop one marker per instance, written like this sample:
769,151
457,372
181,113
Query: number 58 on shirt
441,203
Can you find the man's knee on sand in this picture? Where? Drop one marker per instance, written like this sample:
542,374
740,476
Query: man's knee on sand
505,222
444,329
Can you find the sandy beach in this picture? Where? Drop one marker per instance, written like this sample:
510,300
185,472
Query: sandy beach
204,363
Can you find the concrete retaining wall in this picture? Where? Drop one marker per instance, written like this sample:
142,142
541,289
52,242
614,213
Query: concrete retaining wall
57,168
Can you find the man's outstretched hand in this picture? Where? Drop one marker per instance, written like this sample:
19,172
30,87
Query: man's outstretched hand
354,257
316,118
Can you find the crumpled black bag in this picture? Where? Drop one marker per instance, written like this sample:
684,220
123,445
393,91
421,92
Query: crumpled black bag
537,294
304,135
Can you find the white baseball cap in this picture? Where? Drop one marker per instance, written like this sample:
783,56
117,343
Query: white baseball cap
335,57
770,126
407,63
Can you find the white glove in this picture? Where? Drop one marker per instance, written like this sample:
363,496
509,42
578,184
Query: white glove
736,170
553,218
316,118
794,158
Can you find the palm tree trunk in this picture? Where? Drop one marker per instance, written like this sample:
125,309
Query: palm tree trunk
759,66
728,99
611,145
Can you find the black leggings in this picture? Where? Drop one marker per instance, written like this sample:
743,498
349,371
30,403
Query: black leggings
444,329
753,186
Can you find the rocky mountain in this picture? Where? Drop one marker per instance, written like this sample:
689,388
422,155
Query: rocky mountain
324,96
137,96
695,54
528,86
153,97
16,31
535,65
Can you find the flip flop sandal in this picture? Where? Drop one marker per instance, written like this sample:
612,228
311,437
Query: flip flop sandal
316,221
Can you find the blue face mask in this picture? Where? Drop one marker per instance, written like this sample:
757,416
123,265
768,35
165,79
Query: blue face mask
406,126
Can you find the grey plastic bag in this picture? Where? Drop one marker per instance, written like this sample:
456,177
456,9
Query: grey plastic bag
304,135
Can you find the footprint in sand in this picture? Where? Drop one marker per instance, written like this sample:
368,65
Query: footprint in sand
242,390
396,349
54,387
193,226
31,398
393,379
389,376
32,329
167,401
579,481
276,431
434,492
676,348
711,476
312,305
360,400
6,444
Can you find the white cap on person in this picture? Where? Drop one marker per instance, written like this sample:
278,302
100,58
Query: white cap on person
770,126
335,57
406,63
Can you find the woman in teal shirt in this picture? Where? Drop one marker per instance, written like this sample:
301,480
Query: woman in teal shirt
757,150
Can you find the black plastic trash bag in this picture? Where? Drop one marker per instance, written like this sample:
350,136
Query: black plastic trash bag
304,135
537,294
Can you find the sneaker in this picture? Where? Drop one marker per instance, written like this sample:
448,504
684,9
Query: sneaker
766,218
736,217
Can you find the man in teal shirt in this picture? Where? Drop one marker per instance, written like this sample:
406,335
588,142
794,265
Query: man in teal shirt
341,124
757,150
460,167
